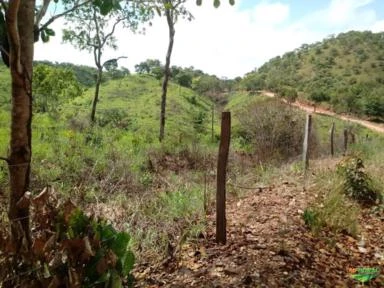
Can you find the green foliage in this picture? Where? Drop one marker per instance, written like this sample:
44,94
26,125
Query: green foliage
70,247
152,67
53,86
109,261
319,96
311,218
356,182
184,79
253,82
289,93
374,103
115,118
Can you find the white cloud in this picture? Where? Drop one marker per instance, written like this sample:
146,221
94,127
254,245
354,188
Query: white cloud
270,13
378,26
341,12
228,41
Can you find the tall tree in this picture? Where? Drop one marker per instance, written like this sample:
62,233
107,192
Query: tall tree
172,10
20,27
92,31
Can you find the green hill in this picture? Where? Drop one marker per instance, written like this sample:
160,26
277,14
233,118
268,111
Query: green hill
346,71
133,104
127,125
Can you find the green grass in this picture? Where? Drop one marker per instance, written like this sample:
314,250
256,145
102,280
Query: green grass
119,160
332,210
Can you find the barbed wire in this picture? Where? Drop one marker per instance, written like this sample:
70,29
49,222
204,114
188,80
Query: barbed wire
249,188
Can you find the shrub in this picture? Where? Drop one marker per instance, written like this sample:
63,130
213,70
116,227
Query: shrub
115,118
69,249
273,130
357,184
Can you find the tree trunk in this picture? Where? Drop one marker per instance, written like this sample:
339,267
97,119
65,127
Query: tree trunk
20,20
167,73
96,97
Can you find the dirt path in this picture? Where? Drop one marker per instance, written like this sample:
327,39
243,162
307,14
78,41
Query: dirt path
373,126
268,246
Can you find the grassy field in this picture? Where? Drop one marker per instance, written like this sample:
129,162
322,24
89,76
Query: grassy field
158,192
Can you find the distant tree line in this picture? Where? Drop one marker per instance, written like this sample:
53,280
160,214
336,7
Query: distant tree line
345,71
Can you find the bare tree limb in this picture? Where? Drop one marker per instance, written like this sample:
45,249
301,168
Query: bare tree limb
4,51
53,18
106,37
115,59
41,13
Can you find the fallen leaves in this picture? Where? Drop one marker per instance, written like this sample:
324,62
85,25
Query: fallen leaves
269,246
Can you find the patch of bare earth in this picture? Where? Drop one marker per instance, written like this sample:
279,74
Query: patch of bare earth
269,246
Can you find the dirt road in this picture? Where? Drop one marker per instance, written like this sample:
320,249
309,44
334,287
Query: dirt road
373,126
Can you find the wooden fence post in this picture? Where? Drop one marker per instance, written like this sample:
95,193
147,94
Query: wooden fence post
353,137
345,140
308,125
212,122
225,136
332,136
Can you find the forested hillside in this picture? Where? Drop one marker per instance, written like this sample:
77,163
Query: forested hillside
346,71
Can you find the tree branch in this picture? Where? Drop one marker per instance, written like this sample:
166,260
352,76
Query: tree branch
41,13
53,18
13,35
3,5
106,37
2,49
115,59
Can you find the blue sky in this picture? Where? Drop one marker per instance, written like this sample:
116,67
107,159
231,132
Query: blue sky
232,40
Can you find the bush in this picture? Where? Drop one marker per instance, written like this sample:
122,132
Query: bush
115,118
356,182
273,130
70,249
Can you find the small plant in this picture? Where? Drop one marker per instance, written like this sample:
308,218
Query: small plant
356,182
335,213
310,218
333,210
69,249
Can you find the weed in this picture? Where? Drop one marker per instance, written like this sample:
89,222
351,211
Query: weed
333,210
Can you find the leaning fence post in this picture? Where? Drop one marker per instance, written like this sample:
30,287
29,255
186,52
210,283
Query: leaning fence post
225,136
308,124
345,140
332,137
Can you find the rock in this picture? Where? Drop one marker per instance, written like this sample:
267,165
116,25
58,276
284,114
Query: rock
362,250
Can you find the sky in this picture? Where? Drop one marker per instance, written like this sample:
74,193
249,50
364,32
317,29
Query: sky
230,41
